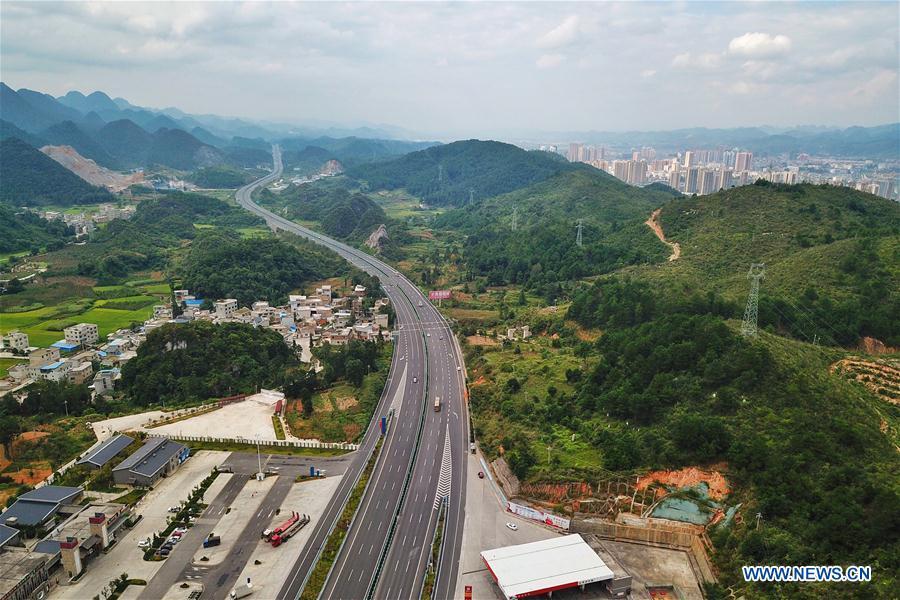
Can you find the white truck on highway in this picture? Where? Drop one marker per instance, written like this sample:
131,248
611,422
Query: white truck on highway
242,591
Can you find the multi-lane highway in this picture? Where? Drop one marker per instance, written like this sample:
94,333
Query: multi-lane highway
387,550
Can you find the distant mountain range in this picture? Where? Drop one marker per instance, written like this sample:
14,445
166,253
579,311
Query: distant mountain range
119,135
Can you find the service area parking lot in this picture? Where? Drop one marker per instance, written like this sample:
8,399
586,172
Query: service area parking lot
126,557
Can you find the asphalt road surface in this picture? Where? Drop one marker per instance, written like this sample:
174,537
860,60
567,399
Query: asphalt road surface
423,457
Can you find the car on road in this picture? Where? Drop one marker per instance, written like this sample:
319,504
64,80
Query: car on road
415,380
180,530
512,526
144,544
428,334
164,551
480,474
174,509
459,368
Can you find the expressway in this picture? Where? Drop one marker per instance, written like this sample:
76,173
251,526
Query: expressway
423,458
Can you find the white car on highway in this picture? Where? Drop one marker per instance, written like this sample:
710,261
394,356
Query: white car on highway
512,526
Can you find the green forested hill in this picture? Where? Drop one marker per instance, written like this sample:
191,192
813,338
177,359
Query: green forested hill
444,175
340,212
207,361
542,250
21,230
222,265
68,133
32,179
832,257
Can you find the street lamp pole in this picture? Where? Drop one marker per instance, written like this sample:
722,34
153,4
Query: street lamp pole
258,458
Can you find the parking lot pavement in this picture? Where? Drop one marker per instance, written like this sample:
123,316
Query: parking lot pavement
126,557
249,418
485,528
215,487
309,497
234,518
104,429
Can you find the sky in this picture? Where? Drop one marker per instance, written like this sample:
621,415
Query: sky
472,69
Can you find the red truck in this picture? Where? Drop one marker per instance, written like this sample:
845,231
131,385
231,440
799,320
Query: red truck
282,536
268,533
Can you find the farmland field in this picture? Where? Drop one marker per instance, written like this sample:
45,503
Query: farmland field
118,307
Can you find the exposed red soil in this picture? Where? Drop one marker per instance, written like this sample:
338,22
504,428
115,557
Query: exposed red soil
688,477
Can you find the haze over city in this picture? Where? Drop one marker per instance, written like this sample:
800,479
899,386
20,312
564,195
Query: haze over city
446,71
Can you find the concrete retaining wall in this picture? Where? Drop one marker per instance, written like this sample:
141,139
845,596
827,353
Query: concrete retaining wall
653,535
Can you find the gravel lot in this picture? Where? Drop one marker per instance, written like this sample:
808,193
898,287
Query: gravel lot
247,419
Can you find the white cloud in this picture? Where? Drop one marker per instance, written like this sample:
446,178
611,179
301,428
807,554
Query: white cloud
548,61
704,61
743,88
646,73
882,82
562,35
760,45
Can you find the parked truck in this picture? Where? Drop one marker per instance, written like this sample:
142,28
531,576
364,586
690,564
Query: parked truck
211,540
279,538
268,533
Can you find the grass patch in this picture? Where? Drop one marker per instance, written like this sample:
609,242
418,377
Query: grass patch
7,363
131,497
279,428
336,539
342,412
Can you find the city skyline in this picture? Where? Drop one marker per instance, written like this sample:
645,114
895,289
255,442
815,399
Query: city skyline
455,70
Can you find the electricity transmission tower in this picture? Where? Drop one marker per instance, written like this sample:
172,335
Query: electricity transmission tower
751,313
440,174
471,195
515,218
578,236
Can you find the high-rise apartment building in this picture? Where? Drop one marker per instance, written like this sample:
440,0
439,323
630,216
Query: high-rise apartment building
743,161
691,182
675,179
690,159
707,181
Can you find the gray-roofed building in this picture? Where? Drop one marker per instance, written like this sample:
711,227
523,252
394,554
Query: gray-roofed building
51,549
8,535
105,452
38,506
47,547
23,575
158,457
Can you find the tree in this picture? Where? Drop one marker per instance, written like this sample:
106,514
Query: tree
9,429
356,371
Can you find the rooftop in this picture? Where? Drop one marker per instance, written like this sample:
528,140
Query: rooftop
151,457
15,566
107,450
6,534
541,567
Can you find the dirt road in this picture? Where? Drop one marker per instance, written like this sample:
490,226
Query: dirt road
653,223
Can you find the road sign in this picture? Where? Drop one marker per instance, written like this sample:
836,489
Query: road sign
468,592
439,295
